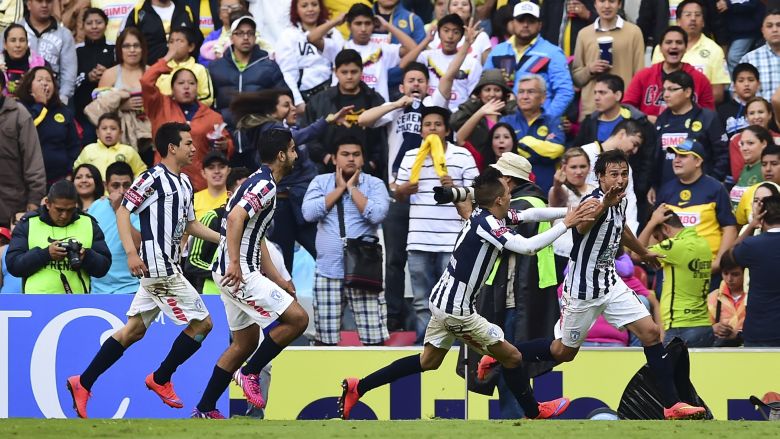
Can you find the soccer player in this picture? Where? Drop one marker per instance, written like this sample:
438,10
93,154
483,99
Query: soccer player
452,299
593,288
254,293
162,197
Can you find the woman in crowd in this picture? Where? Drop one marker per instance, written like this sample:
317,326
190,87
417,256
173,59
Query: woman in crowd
95,56
305,70
466,11
752,140
758,111
89,185
54,121
17,59
119,90
502,139
183,106
753,227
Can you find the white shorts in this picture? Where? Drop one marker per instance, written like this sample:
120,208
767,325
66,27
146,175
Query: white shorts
259,301
473,329
174,295
620,306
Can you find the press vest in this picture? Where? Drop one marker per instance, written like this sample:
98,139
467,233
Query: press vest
49,279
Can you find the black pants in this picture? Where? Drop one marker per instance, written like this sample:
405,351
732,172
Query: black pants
395,229
286,231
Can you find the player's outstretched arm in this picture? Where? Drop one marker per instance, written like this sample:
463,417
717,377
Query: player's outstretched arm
629,240
530,246
536,214
198,230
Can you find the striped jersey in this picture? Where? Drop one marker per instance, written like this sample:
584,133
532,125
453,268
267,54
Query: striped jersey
256,195
164,204
476,249
592,261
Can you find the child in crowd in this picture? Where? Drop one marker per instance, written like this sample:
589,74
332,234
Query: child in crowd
107,149
184,41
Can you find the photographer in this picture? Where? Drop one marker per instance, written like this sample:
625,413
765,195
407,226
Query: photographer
57,248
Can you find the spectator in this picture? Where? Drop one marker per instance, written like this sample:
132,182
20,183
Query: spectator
273,16
770,172
656,15
13,12
646,90
89,185
540,138
753,227
53,42
119,91
118,280
218,41
17,58
38,92
94,57
686,261
247,69
9,283
562,22
537,56
480,46
746,84
502,139
743,26
701,52
699,200
22,172
117,11
155,19
757,112
208,132
364,201
760,255
107,149
767,57
410,24
205,14
349,92
306,70
490,100
627,52
684,120
432,227
437,61
182,41
215,171
726,304
752,141
39,252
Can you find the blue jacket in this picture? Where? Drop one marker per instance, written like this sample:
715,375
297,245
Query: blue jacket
411,25
59,141
541,142
544,59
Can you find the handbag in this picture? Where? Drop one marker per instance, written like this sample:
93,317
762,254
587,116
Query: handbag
362,258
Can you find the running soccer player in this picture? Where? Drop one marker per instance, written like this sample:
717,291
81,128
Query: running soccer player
163,198
254,293
452,300
592,287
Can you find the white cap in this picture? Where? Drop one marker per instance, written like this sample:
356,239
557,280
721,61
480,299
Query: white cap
526,8
513,165
237,22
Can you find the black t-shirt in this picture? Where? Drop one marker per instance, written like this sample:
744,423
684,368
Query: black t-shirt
760,255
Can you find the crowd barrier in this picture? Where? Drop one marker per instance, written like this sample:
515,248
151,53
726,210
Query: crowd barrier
43,339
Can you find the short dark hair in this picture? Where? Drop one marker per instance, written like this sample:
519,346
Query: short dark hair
188,33
727,262
110,116
63,190
681,78
453,19
359,10
94,11
773,11
24,90
271,142
178,72
673,220
630,126
236,174
613,82
415,66
677,29
119,168
169,134
770,207
771,149
348,140
348,56
487,187
685,3
614,156
745,67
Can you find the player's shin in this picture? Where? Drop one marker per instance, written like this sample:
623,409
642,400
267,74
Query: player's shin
519,384
110,352
267,351
536,350
397,369
218,383
663,372
183,348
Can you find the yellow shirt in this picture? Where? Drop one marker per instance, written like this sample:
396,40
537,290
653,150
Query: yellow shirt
101,156
205,90
707,57
204,202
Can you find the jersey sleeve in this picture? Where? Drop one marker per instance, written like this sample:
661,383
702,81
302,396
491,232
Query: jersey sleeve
672,251
392,54
723,209
492,231
258,197
141,193
745,206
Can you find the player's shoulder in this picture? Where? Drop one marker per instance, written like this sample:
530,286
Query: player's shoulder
596,193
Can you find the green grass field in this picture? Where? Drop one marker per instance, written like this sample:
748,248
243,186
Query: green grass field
24,428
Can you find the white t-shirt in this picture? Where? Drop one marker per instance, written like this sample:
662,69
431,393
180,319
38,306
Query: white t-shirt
465,81
593,150
377,60
296,57
166,15
480,45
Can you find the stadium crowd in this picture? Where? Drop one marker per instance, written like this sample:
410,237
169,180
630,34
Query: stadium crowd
387,100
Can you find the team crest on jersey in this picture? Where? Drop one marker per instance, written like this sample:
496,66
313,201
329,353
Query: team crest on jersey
403,24
696,126
59,118
685,195
199,304
666,244
574,335
704,53
687,123
276,295
120,158
542,131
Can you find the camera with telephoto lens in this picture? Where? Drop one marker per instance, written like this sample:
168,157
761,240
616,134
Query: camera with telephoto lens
455,194
73,248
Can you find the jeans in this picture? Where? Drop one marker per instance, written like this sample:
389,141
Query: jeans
286,231
425,268
737,49
395,229
694,337
509,408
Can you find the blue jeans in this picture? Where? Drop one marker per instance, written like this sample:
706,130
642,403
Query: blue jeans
694,337
509,408
425,269
737,49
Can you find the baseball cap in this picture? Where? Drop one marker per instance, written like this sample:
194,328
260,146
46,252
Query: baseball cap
526,8
237,22
689,147
5,232
513,165
214,156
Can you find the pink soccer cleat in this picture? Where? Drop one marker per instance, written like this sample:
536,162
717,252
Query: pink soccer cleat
682,410
213,414
165,392
80,395
553,408
250,384
349,396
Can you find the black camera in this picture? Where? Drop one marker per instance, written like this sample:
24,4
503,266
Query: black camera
73,248
455,194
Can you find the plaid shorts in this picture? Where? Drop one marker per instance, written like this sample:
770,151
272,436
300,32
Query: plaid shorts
369,309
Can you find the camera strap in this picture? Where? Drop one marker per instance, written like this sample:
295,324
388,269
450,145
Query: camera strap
65,283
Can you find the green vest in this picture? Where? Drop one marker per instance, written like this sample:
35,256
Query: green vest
48,280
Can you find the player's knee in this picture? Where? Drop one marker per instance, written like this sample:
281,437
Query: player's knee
297,317
512,361
429,363
651,335
563,353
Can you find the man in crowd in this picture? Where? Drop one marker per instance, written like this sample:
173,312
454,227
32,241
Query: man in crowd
409,23
767,57
215,170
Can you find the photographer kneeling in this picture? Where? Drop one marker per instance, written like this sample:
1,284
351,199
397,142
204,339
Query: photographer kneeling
57,248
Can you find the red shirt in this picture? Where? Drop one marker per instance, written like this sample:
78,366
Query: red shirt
645,91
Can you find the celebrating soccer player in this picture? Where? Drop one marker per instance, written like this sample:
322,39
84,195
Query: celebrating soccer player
163,198
452,300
